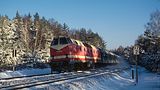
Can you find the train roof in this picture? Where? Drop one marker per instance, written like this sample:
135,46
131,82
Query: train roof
78,42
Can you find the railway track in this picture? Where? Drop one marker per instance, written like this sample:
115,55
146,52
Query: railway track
30,81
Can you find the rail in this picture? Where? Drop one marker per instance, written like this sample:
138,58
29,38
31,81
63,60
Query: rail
30,81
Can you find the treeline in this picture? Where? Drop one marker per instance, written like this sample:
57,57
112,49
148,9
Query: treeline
50,28
149,45
27,34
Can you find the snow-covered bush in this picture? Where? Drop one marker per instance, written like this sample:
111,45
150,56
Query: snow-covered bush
151,62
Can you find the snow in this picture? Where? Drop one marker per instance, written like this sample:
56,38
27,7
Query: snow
24,72
147,80
111,81
120,81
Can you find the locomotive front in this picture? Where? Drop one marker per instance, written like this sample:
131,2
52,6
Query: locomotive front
67,53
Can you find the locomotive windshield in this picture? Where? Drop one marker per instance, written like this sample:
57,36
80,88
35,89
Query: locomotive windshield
61,41
55,41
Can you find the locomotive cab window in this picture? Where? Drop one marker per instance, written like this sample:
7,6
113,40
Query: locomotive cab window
55,41
69,40
63,40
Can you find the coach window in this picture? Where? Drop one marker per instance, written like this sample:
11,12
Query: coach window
63,40
55,41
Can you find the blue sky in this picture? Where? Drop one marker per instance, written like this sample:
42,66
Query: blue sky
119,22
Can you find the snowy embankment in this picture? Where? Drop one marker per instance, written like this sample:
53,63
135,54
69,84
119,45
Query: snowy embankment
113,81
24,72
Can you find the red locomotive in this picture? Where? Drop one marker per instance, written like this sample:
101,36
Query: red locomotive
67,53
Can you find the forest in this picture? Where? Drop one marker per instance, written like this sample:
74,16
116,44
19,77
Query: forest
149,45
31,35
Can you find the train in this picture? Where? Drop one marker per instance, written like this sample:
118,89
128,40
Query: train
67,54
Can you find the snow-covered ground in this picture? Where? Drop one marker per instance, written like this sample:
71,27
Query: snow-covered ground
113,81
25,72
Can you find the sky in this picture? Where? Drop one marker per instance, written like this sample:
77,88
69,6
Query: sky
118,22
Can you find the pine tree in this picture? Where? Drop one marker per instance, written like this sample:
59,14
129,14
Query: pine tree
8,42
150,43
